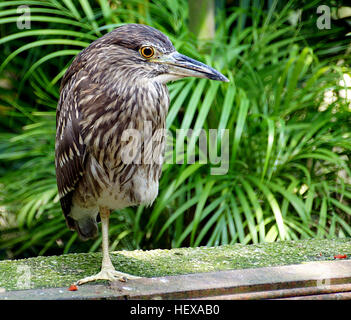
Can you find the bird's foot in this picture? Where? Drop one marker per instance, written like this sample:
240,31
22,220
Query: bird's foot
109,274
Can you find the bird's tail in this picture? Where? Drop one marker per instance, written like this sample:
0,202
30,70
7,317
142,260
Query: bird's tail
86,228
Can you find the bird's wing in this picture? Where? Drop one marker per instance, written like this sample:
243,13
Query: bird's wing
69,150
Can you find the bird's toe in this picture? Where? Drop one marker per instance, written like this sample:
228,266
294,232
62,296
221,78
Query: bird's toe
109,275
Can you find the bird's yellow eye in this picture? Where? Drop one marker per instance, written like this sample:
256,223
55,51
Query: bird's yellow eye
147,52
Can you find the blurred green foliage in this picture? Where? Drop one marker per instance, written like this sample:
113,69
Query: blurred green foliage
289,172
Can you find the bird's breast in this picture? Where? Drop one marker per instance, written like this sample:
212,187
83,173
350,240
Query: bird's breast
125,142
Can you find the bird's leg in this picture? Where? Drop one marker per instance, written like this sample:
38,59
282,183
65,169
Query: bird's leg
105,218
108,272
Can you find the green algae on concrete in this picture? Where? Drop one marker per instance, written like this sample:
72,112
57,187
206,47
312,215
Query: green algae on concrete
60,271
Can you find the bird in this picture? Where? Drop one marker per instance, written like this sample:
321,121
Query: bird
116,84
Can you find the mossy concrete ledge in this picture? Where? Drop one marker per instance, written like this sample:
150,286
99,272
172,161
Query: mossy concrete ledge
61,271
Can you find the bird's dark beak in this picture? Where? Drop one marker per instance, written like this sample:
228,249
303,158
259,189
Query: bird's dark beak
181,66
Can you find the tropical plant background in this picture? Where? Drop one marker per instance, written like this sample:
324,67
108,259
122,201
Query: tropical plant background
287,107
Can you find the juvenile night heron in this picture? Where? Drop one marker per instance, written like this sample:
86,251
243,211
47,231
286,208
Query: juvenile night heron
116,83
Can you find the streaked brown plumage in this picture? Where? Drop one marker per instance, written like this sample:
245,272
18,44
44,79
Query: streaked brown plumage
116,83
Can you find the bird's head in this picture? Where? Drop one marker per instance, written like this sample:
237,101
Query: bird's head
139,52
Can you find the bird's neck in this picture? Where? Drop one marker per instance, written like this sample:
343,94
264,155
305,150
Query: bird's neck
146,100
